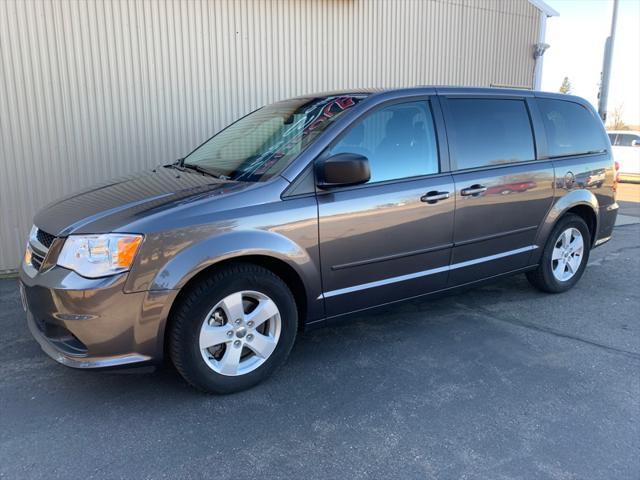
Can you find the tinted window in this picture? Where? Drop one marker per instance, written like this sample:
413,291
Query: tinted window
398,140
490,132
571,128
626,140
612,138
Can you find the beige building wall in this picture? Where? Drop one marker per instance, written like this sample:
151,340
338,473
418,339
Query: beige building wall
91,89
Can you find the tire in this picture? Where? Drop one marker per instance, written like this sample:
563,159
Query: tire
550,276
210,309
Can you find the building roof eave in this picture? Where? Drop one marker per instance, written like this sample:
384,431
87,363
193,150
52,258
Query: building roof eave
545,8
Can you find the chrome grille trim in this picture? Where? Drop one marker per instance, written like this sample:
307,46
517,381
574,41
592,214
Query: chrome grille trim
39,243
36,260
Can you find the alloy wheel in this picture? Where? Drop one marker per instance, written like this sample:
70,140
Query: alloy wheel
567,254
240,333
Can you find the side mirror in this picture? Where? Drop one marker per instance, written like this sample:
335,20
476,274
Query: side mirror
342,169
635,143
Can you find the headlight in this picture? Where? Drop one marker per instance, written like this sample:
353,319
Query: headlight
28,253
96,256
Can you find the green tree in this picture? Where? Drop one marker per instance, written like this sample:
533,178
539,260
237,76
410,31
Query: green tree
566,86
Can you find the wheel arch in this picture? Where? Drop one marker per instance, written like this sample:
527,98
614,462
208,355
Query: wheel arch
587,213
275,264
580,202
270,249
275,252
279,267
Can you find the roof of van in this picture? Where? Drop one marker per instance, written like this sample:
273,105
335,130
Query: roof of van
447,90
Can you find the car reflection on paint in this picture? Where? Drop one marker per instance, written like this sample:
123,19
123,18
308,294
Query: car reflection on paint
507,188
592,178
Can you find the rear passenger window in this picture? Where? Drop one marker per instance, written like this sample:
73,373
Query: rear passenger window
490,132
398,140
571,128
626,140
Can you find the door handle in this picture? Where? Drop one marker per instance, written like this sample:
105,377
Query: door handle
473,190
434,197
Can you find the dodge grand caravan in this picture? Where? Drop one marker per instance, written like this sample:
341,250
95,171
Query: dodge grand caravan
310,209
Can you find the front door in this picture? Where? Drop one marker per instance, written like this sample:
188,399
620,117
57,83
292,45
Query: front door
502,192
390,238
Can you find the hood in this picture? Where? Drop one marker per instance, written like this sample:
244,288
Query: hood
123,200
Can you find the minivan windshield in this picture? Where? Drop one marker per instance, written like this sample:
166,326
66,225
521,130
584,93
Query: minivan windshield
262,144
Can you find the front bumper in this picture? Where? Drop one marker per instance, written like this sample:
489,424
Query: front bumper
92,323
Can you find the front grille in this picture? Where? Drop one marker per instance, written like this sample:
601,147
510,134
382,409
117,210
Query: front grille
45,238
39,244
36,260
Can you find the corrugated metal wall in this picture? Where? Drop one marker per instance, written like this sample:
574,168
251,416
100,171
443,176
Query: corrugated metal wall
91,89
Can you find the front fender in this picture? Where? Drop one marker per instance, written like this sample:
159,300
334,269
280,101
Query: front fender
192,260
560,206
170,259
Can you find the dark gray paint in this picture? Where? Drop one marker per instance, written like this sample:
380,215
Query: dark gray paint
504,218
350,248
376,232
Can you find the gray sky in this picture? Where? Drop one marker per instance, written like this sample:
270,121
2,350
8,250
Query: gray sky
577,39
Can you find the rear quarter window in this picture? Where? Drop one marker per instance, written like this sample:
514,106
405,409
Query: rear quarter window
490,132
571,128
626,139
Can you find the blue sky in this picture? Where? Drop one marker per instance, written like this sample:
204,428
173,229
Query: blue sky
577,39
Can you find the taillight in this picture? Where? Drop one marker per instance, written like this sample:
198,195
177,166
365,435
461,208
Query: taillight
616,175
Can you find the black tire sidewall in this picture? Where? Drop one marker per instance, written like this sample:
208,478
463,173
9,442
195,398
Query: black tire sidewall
196,371
552,284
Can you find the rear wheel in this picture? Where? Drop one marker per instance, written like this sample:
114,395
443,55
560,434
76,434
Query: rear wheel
565,256
233,329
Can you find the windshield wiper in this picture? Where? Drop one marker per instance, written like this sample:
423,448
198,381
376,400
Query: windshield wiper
178,165
204,171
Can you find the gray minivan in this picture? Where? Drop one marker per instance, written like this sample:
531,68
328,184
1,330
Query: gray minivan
310,209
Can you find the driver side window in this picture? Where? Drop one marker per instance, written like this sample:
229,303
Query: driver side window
399,141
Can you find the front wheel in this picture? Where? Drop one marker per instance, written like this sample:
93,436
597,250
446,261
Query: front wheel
233,329
565,256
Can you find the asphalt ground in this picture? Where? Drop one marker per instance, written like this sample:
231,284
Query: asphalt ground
497,382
